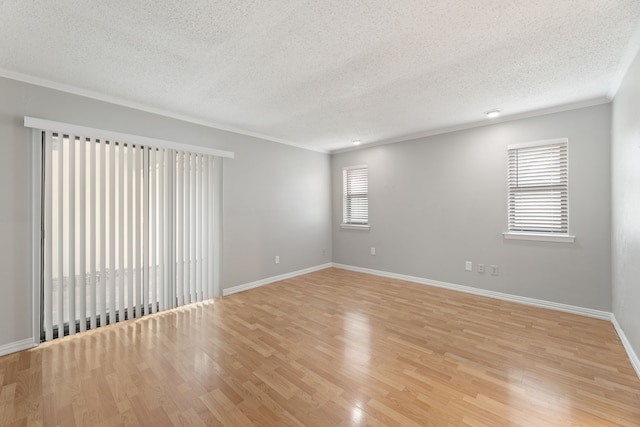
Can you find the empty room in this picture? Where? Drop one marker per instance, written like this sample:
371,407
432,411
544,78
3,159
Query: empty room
340,213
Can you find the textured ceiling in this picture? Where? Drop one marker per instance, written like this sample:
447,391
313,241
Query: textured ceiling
323,73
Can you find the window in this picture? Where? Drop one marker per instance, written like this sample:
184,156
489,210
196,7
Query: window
355,180
539,191
128,228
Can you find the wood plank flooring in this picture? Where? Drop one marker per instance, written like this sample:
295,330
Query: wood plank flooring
331,348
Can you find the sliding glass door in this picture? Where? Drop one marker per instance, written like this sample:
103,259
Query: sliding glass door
127,230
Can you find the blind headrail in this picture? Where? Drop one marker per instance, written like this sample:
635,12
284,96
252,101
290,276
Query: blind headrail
50,125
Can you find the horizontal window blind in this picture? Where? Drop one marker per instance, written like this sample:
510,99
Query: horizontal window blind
356,195
539,187
128,230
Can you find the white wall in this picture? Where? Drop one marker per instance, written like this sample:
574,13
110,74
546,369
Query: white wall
437,202
276,197
626,206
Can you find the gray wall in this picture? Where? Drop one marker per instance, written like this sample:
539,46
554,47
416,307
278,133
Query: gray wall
276,197
626,206
437,202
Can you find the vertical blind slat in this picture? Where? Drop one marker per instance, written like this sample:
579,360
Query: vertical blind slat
192,227
138,155
161,229
170,216
82,252
179,228
186,233
215,187
112,233
71,286
121,228
130,233
48,232
103,233
152,230
92,235
198,229
205,228
60,217
145,237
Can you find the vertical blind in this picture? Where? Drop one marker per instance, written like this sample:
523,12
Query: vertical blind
539,187
356,195
127,231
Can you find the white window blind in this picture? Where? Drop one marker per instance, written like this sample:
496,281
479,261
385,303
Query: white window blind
539,187
356,195
127,230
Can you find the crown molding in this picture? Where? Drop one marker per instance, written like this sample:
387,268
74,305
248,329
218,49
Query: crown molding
86,93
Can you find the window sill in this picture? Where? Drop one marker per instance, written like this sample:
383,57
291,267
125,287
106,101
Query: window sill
355,226
559,238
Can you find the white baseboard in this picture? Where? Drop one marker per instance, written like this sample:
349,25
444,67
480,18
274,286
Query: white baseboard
262,282
12,347
589,312
633,357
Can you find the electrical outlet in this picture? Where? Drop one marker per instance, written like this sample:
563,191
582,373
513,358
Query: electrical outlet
480,268
277,260
494,270
468,265
373,251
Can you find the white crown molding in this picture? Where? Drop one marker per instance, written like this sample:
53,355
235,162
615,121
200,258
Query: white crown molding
486,122
25,78
49,84
268,280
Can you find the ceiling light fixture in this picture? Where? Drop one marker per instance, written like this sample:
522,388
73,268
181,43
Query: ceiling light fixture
356,142
493,114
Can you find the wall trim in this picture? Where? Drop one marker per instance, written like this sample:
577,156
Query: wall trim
592,102
99,96
589,312
13,347
633,357
268,280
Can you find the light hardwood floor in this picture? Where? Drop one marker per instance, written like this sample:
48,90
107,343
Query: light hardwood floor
331,348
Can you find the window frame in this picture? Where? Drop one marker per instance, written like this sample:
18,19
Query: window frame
550,235
346,220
